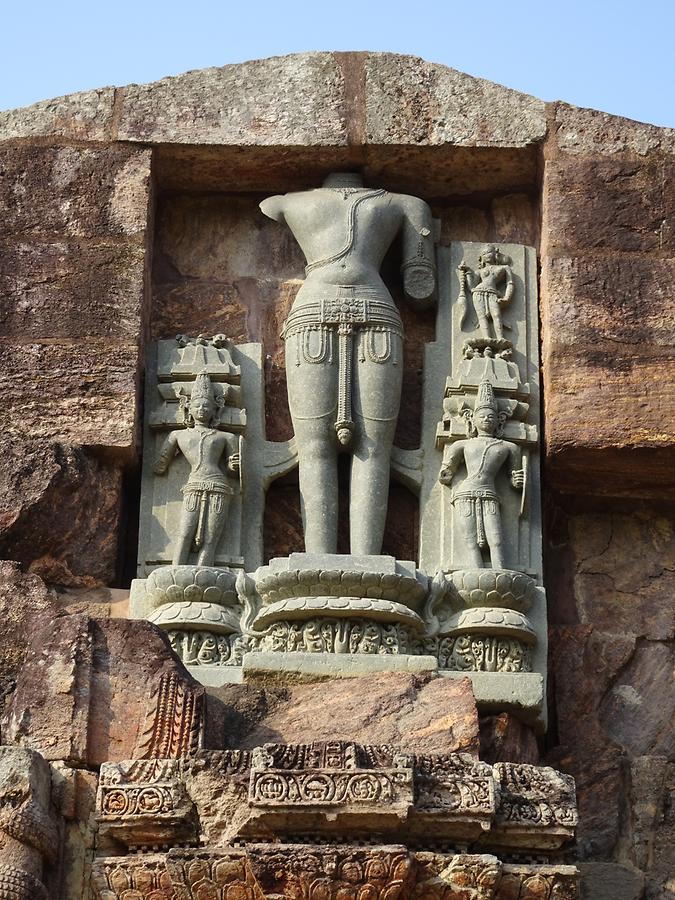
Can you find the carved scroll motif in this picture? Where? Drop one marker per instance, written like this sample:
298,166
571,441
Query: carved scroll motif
174,720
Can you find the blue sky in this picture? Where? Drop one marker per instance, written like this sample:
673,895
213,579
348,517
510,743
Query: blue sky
615,56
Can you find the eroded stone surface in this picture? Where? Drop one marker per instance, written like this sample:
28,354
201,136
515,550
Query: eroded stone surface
422,714
96,690
411,101
295,100
580,130
26,604
607,267
60,512
84,116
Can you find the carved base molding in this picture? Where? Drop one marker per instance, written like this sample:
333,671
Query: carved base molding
278,871
336,788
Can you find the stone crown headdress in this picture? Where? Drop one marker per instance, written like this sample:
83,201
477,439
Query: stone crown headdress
486,397
202,388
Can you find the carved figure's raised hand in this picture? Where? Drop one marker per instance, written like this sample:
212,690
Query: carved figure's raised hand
518,478
462,267
445,476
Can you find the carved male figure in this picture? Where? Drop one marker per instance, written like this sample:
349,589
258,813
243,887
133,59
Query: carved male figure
476,501
206,496
344,341
485,284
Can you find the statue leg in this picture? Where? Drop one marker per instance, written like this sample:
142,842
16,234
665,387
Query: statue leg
480,308
464,519
312,381
376,392
493,532
186,530
496,315
213,529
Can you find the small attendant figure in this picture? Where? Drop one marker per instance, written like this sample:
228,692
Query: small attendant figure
493,273
206,496
476,502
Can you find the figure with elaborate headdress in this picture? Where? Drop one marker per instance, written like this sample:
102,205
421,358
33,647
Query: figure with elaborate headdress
491,287
476,501
207,493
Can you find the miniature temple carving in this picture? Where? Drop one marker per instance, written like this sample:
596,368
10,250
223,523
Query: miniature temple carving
344,346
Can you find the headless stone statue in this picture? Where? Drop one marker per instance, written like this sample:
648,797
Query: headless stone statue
344,346
206,496
476,502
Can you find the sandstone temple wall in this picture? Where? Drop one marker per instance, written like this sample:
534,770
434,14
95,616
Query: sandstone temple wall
129,215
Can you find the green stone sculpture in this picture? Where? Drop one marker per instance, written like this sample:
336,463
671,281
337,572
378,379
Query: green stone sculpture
344,346
207,493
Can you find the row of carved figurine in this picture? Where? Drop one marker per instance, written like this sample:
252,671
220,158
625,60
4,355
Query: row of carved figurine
341,872
208,490
470,653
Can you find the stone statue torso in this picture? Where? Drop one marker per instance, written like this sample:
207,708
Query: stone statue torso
203,449
483,457
490,277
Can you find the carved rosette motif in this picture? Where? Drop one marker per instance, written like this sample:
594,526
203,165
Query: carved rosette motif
326,787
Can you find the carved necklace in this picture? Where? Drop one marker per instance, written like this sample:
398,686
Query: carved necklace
491,443
347,191
200,451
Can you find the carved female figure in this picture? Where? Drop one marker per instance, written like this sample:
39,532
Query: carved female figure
493,274
476,501
206,496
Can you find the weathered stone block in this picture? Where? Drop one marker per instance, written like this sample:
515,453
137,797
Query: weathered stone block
418,713
25,603
284,100
599,204
75,192
83,399
610,881
606,327
638,711
103,690
72,291
411,101
590,131
60,512
73,244
621,562
83,116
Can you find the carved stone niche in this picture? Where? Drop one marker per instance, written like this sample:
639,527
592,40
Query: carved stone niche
479,479
234,377
202,497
